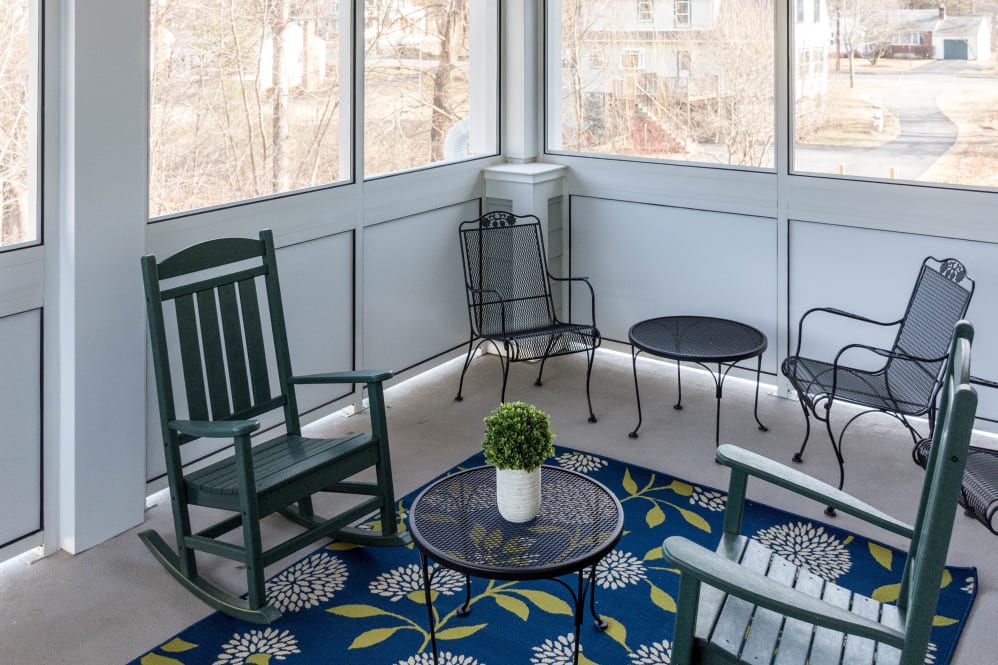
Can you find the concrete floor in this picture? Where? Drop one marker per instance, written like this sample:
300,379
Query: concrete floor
112,603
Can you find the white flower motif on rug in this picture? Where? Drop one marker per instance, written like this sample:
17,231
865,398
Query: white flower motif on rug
656,653
930,654
969,586
559,651
619,569
581,462
808,546
712,500
445,658
266,642
398,583
307,583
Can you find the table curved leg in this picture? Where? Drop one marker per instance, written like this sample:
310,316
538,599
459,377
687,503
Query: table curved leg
599,623
465,609
425,563
637,393
758,378
679,388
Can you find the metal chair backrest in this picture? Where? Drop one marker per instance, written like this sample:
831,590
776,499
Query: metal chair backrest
939,299
207,300
504,253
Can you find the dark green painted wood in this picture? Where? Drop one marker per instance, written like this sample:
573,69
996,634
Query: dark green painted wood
190,354
753,607
235,350
225,337
214,355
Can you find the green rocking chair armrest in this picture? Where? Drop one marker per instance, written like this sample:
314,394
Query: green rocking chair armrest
730,577
784,476
359,376
218,429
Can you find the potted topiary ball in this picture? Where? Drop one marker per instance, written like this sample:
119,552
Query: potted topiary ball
517,441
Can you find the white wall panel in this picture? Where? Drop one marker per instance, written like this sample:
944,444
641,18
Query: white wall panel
413,303
20,413
871,273
317,285
651,260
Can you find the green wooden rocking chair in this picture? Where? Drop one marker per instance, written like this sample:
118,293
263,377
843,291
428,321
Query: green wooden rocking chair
743,604
225,336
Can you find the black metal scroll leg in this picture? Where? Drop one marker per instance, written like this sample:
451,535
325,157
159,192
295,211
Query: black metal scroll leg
467,362
637,393
504,361
799,455
758,378
465,609
679,388
580,605
719,380
589,373
598,622
424,561
837,447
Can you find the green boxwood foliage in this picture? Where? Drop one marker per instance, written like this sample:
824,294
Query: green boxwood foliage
517,436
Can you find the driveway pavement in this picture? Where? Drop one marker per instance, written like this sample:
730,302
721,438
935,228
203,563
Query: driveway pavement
925,132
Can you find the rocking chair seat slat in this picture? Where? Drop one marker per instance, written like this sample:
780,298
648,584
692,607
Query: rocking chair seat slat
276,462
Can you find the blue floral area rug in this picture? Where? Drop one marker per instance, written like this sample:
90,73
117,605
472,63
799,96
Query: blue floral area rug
346,604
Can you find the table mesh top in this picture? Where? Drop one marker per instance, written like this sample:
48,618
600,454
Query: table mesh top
457,522
698,338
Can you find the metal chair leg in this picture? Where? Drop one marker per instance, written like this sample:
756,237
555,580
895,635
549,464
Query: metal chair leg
799,455
591,356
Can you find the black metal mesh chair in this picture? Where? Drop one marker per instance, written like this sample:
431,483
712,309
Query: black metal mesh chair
510,304
905,385
979,493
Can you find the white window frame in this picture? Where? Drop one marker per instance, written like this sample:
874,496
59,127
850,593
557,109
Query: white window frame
646,11
683,13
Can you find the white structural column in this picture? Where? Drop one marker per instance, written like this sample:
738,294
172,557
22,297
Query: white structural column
520,80
94,312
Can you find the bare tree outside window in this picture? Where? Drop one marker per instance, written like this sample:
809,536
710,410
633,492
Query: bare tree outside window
245,100
18,222
417,85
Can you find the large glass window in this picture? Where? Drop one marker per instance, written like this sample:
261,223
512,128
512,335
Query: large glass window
657,106
247,100
904,94
430,82
18,124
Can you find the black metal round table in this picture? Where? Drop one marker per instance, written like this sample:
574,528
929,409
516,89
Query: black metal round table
701,340
456,523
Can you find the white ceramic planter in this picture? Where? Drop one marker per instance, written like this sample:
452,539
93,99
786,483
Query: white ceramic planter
518,494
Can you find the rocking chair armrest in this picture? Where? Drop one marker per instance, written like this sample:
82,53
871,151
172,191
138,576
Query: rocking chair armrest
356,376
215,429
730,577
755,465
